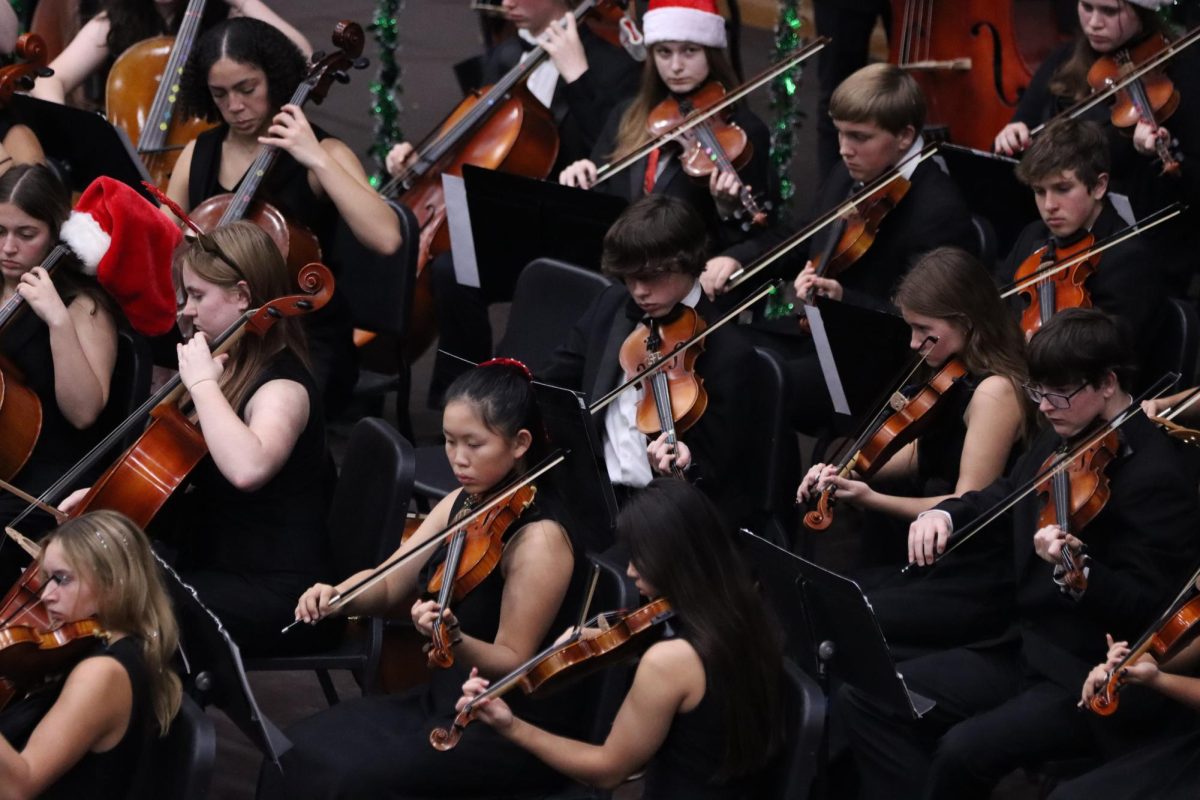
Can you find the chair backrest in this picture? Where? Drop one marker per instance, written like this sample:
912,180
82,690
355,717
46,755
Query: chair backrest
791,775
1176,347
550,296
774,447
130,384
366,517
182,763
378,288
986,234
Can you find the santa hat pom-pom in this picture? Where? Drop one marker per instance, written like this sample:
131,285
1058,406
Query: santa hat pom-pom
86,238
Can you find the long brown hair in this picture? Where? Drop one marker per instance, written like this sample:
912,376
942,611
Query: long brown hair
950,284
631,133
257,262
1070,79
114,557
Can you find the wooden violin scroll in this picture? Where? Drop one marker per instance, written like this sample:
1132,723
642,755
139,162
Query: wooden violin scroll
820,517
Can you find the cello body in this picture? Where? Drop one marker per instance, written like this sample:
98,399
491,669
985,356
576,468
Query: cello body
297,243
132,83
20,420
965,56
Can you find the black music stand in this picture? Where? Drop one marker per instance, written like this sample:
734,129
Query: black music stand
992,191
833,626
214,664
554,221
86,144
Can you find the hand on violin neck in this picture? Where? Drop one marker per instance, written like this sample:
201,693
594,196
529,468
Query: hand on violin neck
197,363
718,270
808,280
1049,541
561,42
424,612
664,457
494,712
725,188
291,131
1146,136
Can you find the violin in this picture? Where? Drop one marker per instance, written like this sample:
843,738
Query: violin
1149,97
1063,289
298,245
624,636
715,145
676,398
900,421
1072,498
139,482
473,551
141,103
1167,636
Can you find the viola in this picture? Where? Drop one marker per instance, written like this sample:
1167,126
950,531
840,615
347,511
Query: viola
715,145
1166,637
858,230
473,551
1072,498
1150,97
1063,289
141,103
899,422
675,398
626,636
298,245
139,482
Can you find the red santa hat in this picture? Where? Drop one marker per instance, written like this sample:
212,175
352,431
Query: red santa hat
127,244
696,21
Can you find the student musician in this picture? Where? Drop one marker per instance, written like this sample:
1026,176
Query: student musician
380,744
252,526
64,343
1106,27
1067,168
242,74
879,112
1167,768
1013,703
703,714
120,24
90,733
687,52
656,248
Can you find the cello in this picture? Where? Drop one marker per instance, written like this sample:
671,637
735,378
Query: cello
298,245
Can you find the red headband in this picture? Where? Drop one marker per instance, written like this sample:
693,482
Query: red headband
509,362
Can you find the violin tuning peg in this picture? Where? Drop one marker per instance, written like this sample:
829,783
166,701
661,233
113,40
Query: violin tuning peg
362,62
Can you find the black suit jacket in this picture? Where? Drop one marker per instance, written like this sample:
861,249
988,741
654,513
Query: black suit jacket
932,214
1128,283
580,108
587,361
1143,546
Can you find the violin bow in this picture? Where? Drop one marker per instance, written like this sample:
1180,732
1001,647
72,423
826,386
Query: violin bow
1143,643
1163,56
28,545
1136,229
968,531
21,494
379,573
700,117
828,218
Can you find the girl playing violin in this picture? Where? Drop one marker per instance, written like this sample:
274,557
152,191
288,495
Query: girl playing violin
90,732
493,433
687,52
123,23
254,521
64,344
242,74
703,714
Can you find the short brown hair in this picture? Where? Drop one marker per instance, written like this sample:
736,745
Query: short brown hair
1079,345
1066,144
653,235
882,94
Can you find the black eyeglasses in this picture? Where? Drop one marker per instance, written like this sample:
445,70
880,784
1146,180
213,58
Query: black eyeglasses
209,245
1055,399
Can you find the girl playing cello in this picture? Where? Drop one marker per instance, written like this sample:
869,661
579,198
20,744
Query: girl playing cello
375,745
703,714
90,733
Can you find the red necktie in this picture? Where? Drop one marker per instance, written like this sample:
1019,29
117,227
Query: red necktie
651,171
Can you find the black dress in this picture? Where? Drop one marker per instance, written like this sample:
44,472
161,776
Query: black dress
330,330
123,770
379,746
249,555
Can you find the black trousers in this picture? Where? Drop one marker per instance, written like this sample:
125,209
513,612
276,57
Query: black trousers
991,717
1165,770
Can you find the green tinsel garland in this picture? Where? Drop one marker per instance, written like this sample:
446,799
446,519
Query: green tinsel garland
386,89
785,100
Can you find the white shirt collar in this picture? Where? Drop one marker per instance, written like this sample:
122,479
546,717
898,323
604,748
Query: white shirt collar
908,169
692,297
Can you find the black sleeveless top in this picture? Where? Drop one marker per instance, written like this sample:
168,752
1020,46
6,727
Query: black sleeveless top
116,773
940,446
478,616
280,527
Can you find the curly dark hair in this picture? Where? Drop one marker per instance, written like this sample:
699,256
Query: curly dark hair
246,41
131,21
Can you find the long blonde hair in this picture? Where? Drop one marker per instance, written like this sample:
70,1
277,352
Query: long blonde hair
632,133
257,262
113,555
